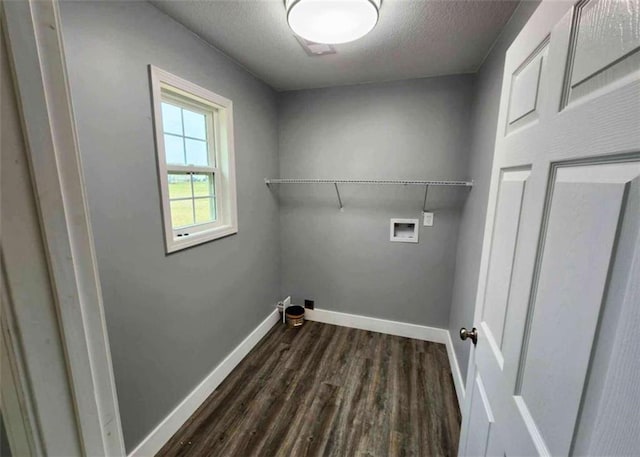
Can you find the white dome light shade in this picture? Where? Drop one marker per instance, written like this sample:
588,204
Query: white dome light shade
332,21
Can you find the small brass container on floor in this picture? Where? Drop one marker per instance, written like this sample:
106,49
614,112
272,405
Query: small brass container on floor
294,316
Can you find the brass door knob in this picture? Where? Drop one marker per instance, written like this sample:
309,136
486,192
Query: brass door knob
473,335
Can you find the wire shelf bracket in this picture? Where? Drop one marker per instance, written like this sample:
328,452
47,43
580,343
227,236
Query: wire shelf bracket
335,182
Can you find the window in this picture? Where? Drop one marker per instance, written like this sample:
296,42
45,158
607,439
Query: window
194,145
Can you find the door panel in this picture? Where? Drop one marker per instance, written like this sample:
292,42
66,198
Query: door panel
480,420
606,31
609,416
586,208
525,88
605,44
507,221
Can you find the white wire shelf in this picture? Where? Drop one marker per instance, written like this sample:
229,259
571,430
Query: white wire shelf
370,181
404,182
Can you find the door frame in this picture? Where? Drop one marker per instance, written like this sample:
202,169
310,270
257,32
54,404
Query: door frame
33,35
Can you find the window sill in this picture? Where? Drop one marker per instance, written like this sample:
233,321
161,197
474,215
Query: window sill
174,244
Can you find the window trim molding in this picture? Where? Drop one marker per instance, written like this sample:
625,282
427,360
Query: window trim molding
226,200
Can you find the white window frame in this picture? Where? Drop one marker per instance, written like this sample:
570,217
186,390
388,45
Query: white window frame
165,85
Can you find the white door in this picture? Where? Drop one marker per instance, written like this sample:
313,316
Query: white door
556,366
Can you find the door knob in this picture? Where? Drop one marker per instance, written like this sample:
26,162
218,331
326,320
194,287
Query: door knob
473,335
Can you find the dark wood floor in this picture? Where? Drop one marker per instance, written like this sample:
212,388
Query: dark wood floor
331,391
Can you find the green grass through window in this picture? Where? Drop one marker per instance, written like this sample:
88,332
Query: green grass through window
183,189
182,210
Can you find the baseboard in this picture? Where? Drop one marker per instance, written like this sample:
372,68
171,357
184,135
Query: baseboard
419,332
458,382
373,324
170,425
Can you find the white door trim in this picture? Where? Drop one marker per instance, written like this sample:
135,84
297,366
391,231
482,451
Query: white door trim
33,32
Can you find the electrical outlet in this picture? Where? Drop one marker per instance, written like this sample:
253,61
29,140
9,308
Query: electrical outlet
428,219
308,304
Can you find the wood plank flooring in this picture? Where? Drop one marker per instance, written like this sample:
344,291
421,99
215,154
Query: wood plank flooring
330,391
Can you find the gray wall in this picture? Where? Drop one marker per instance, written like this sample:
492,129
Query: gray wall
171,319
483,133
344,260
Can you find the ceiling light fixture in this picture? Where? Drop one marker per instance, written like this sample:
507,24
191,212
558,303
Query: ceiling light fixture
332,21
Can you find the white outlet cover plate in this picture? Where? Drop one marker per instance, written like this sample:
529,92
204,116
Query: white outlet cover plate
428,219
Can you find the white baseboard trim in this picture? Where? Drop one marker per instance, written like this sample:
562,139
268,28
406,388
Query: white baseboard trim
170,425
458,382
419,332
373,324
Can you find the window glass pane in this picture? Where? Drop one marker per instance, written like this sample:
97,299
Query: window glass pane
181,213
205,210
179,185
174,149
171,119
194,124
203,184
197,152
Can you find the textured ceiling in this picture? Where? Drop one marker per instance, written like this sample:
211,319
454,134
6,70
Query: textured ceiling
413,39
